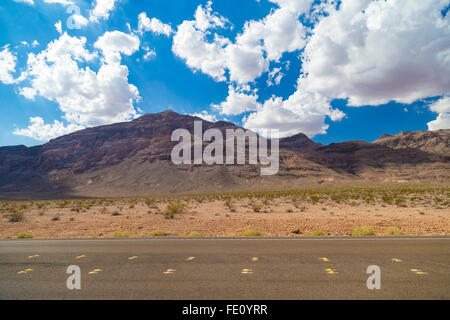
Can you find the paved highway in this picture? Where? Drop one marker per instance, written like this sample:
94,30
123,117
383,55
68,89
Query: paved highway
238,269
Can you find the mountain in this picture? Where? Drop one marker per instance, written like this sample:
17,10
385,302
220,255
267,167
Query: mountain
134,158
428,141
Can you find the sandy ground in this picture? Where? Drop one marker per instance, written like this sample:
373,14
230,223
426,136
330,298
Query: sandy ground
280,217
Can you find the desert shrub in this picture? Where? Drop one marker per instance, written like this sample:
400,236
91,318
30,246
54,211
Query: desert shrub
252,233
363,231
256,207
401,202
63,204
15,216
289,210
151,203
25,236
317,233
158,233
119,234
314,199
194,234
394,231
230,205
173,208
56,218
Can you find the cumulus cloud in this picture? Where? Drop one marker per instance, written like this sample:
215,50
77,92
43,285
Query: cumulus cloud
248,57
7,66
115,43
239,100
442,107
62,2
302,112
87,98
371,53
154,25
205,116
190,43
374,52
38,130
102,9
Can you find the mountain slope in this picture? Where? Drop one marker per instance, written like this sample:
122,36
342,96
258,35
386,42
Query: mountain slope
133,158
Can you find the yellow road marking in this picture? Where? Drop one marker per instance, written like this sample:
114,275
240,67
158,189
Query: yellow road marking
92,272
421,273
169,271
190,258
28,270
247,271
415,270
35,256
133,258
81,257
331,271
324,259
98,270
255,259
396,260
21,272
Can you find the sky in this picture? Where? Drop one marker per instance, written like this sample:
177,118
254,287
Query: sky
334,70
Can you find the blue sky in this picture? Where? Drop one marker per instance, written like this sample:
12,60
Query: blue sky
339,78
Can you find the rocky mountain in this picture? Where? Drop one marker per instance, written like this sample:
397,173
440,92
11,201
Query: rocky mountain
134,158
428,141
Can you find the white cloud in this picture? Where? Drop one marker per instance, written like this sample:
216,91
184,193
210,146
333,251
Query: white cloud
239,100
102,9
41,131
302,112
205,116
442,107
373,52
115,43
149,53
62,2
87,98
248,57
154,25
275,77
30,2
58,26
7,66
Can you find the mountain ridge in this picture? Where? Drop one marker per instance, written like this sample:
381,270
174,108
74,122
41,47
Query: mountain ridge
133,158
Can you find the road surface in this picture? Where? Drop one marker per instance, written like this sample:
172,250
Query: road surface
237,269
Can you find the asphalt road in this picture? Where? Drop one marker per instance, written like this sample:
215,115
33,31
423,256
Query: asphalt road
237,269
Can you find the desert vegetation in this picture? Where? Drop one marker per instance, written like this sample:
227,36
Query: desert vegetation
388,210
